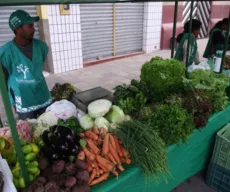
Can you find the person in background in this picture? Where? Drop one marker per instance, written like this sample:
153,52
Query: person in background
216,38
22,61
182,39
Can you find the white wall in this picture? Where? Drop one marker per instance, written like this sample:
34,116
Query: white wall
65,36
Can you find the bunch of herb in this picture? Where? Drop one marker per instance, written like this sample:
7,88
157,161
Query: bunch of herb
163,76
71,123
147,149
131,105
62,91
213,84
173,123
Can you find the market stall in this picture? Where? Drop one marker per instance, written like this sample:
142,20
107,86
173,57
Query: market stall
158,129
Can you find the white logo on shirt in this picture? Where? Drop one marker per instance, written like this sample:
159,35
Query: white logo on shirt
23,69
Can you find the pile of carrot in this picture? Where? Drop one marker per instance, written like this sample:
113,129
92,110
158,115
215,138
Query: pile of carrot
103,153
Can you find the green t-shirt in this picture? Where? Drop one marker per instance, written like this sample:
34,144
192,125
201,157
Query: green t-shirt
25,76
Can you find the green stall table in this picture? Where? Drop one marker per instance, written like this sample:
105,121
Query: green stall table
184,161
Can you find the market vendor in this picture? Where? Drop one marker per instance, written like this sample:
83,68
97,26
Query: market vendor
182,39
217,38
22,60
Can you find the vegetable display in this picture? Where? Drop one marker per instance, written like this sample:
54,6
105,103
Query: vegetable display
103,153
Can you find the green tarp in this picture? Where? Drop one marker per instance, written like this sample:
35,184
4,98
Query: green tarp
184,161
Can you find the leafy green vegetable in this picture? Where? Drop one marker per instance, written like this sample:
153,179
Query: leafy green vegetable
213,84
173,123
163,76
71,123
146,147
63,91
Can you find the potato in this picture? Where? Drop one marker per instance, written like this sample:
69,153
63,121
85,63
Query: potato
70,182
58,166
83,188
81,164
83,175
70,169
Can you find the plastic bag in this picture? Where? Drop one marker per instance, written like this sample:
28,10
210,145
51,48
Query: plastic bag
202,65
63,109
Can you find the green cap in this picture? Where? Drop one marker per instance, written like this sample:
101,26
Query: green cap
21,17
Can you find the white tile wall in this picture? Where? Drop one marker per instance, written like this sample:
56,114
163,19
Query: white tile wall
152,26
65,36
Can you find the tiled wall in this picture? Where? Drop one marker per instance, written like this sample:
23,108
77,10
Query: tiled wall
65,37
152,26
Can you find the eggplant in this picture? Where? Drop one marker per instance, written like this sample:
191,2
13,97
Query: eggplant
45,137
50,153
66,132
73,148
53,129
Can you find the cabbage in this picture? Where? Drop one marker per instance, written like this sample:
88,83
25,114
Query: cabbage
47,118
115,115
38,129
86,122
102,122
99,108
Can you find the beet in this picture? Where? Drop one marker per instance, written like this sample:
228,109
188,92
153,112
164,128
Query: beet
81,164
40,189
35,186
83,188
43,163
52,187
58,166
83,175
62,179
41,180
70,182
54,178
66,190
70,169
47,173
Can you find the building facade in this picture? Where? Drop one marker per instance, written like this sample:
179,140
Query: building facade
93,33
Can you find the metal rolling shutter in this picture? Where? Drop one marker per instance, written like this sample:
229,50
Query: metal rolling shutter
97,30
129,27
5,32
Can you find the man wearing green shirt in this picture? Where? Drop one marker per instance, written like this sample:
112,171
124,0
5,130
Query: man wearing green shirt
22,60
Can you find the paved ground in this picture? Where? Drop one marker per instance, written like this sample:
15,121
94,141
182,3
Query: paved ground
110,74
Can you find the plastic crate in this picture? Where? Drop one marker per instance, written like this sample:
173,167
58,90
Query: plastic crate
218,175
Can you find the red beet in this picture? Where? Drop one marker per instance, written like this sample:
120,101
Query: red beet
70,182
58,166
80,164
83,175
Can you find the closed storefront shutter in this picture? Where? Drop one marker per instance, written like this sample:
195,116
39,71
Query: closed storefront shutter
97,30
5,32
129,27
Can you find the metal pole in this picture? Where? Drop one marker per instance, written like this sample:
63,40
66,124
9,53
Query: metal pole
12,124
190,30
225,44
174,27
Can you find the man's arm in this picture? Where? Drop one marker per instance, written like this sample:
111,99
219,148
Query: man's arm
218,38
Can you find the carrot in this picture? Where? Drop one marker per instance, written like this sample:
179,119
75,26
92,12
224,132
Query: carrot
99,179
99,142
112,141
92,146
97,168
81,155
92,176
115,172
82,135
101,171
120,167
89,154
110,157
128,161
95,130
104,162
114,154
123,160
124,152
118,147
90,168
105,147
102,168
102,133
91,135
